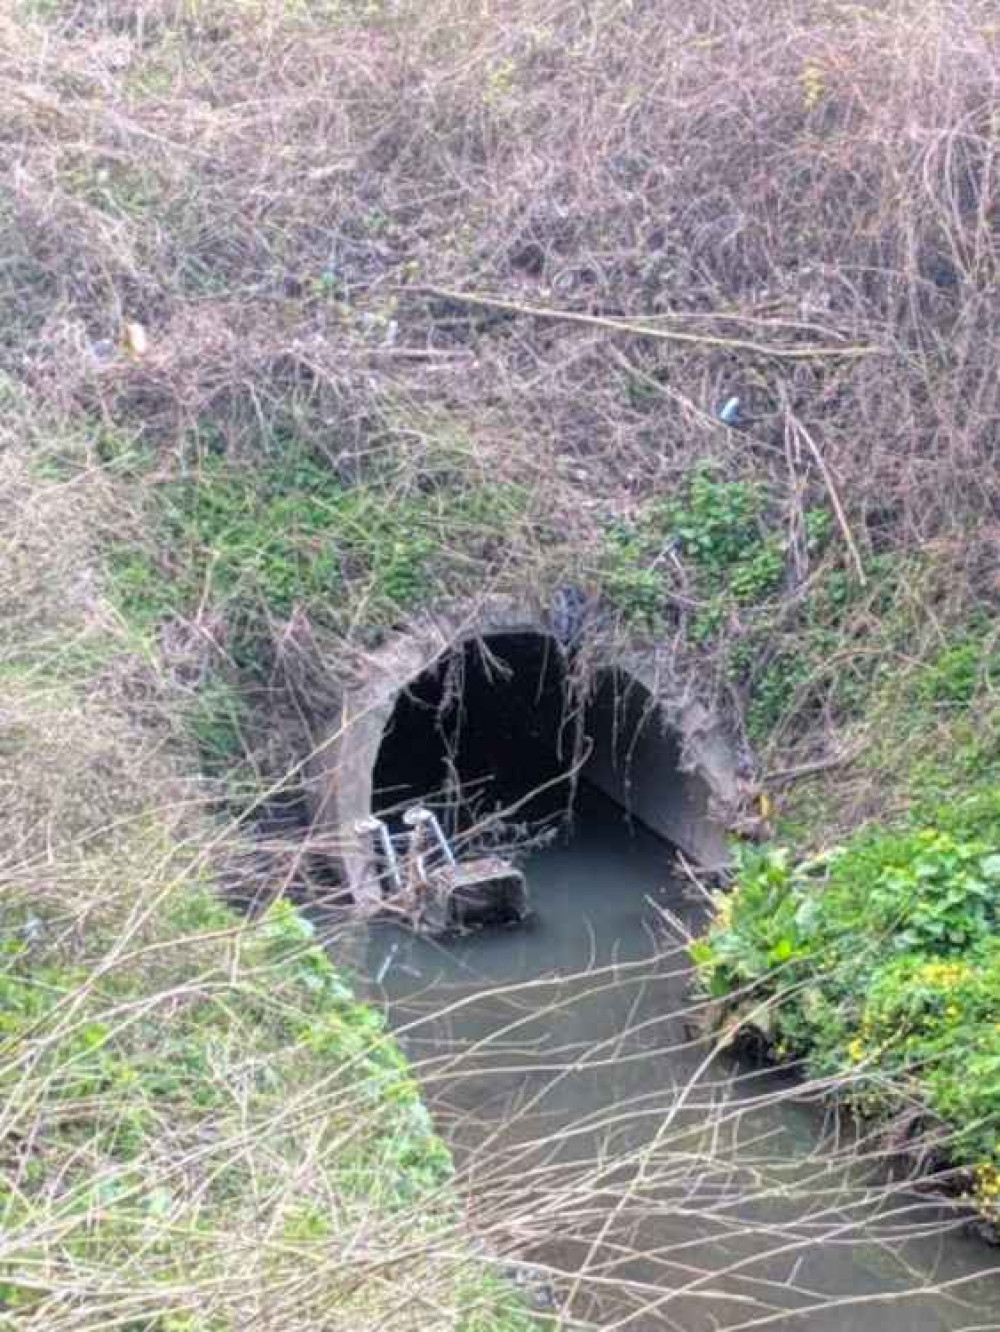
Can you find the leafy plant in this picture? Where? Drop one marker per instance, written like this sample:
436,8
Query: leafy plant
290,533
884,955
629,579
719,528
959,671
758,575
716,522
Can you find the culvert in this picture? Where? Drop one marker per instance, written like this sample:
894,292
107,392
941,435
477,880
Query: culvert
492,720
489,704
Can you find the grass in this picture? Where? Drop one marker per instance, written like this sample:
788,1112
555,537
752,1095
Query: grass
289,534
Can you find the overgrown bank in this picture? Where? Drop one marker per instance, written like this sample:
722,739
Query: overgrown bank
370,308
876,968
872,962
315,313
201,1128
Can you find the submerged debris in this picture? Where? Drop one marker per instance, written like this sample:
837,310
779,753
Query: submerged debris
435,892
387,962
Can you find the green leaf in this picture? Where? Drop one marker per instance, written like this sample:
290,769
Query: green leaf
782,951
93,1035
159,1202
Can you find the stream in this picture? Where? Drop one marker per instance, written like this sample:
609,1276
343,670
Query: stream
652,1185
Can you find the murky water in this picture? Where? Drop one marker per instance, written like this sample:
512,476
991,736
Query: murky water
657,1187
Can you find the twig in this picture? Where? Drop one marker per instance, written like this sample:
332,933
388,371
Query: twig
693,879
636,329
838,508
699,413
784,776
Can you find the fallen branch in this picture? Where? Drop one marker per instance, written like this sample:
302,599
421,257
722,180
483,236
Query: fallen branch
785,776
637,329
838,508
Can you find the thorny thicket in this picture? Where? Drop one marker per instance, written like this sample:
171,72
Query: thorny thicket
301,203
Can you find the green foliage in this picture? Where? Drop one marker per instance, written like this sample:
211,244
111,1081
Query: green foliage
143,590
717,523
720,530
217,721
831,656
332,1028
775,691
878,964
758,927
959,671
819,528
971,815
944,897
758,575
882,963
282,532
489,1304
629,579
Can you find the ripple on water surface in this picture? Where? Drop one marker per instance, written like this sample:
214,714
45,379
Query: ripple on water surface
667,1189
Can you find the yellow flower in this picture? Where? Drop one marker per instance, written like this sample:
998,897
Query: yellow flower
944,974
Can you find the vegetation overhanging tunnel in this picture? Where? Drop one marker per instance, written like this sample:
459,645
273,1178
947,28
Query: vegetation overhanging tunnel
502,725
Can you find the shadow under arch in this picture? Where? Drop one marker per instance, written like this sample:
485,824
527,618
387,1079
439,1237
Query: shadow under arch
486,701
499,726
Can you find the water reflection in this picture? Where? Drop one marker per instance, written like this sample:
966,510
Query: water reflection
598,1139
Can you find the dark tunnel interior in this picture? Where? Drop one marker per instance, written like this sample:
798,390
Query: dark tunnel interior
496,721
492,719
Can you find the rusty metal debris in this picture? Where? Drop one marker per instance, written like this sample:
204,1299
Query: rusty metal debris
425,885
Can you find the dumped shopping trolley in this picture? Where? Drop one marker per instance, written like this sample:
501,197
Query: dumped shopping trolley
424,883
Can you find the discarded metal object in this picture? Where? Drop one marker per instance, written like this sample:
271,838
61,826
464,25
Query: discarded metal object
425,824
729,412
433,891
375,828
487,889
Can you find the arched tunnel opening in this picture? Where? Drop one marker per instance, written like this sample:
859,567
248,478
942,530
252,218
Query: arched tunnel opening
499,733
491,727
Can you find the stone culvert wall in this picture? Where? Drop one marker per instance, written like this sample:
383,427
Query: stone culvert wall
655,750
